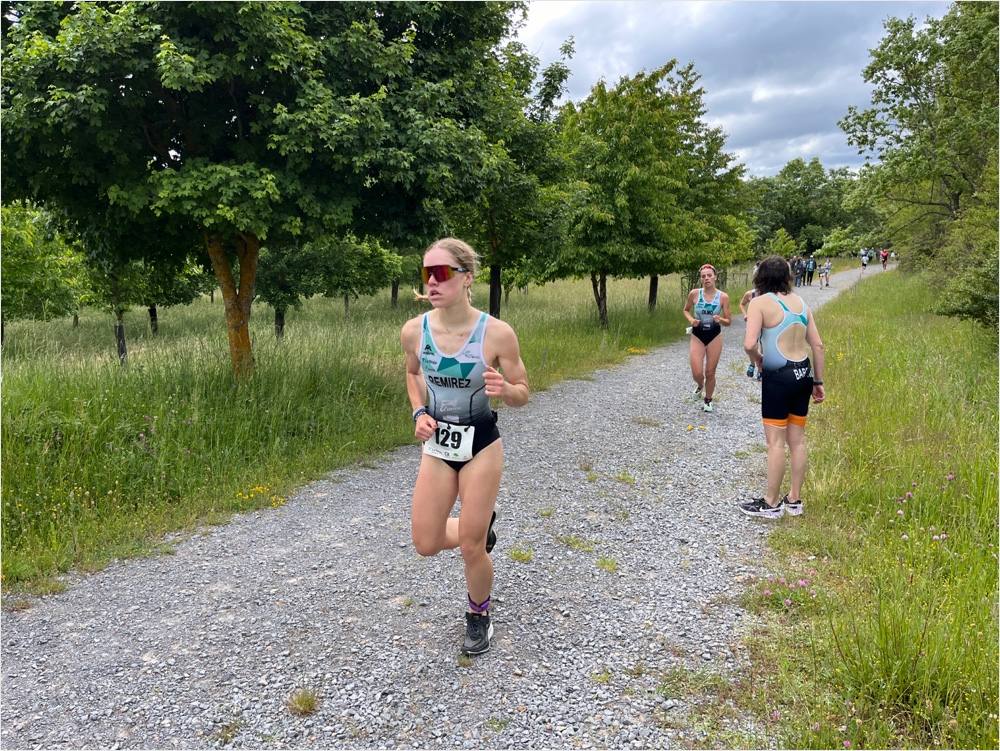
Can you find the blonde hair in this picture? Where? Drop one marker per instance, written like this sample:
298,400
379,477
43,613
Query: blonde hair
463,253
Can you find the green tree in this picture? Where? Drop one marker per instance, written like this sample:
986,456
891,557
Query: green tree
248,121
43,272
932,129
782,244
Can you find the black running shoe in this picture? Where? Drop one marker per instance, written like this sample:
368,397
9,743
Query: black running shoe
792,508
759,507
491,536
478,632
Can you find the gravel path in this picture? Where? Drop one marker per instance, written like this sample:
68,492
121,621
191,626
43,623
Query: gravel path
203,647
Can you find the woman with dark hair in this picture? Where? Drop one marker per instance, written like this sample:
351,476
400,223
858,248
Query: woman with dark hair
782,324
707,310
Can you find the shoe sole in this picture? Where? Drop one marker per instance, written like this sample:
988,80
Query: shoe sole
791,512
484,650
762,514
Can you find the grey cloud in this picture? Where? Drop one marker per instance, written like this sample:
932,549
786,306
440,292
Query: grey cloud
808,56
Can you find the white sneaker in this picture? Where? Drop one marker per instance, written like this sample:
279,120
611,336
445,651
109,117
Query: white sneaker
697,392
707,407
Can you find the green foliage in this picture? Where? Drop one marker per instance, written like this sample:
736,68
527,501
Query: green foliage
781,244
803,199
933,128
43,273
652,189
237,123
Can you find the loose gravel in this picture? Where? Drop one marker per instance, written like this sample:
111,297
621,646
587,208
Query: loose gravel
619,487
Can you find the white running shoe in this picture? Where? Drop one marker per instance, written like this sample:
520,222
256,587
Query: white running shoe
707,407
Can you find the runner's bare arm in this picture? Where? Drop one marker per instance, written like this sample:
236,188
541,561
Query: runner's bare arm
818,357
409,337
726,318
688,306
512,384
755,321
744,301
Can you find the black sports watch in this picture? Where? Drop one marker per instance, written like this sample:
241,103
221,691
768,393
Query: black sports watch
419,411
817,383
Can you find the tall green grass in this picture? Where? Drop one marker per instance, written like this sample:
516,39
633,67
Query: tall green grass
881,619
100,461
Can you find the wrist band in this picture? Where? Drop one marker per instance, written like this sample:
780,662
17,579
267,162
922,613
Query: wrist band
419,411
817,383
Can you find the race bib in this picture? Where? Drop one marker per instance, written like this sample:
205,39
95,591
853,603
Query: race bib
451,442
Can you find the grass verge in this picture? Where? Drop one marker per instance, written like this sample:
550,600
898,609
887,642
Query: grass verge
99,461
880,621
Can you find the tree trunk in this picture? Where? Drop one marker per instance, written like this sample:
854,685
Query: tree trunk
120,337
237,295
279,323
153,324
496,272
599,283
76,319
654,284
211,295
347,305
395,292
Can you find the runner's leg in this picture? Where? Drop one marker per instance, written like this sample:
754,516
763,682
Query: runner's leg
712,354
433,498
478,484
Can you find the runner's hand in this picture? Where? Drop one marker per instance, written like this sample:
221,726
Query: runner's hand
819,394
425,427
494,382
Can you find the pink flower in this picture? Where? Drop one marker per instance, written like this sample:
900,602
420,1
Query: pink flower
906,537
909,495
950,477
847,744
899,512
936,538
803,582
766,593
776,715
788,603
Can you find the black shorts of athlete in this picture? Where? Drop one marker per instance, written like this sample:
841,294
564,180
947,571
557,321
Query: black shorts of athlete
486,433
706,335
785,394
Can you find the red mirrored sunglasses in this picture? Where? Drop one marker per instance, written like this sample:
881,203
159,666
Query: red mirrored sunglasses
442,273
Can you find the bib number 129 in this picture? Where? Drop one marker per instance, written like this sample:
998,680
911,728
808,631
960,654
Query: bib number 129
451,442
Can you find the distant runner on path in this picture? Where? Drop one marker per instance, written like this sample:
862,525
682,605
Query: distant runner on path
783,324
452,354
707,310
749,295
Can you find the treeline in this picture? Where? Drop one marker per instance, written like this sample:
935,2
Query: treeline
290,146
278,151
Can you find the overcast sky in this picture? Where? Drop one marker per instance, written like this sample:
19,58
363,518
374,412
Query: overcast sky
777,75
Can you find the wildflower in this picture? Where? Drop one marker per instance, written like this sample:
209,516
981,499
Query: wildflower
944,536
815,727
847,744
776,715
950,476
788,603
803,582
914,484
936,538
909,495
906,537
766,593
899,512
